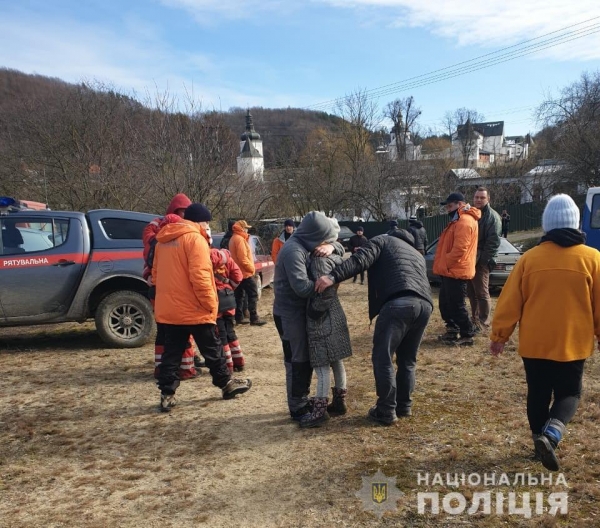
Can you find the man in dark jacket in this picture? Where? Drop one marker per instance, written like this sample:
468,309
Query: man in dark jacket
399,293
417,230
356,242
488,242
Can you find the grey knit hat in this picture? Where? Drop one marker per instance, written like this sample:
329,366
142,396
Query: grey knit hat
560,212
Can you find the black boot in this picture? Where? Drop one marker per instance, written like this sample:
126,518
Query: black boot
318,416
338,402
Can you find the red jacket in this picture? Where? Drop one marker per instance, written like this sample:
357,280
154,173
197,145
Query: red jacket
224,266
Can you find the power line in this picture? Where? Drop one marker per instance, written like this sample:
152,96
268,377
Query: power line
471,65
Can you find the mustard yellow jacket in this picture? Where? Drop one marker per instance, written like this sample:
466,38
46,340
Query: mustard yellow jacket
554,295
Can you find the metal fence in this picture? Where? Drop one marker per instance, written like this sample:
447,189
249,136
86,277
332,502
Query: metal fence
523,217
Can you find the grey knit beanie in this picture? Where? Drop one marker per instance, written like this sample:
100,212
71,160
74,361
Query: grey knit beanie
561,211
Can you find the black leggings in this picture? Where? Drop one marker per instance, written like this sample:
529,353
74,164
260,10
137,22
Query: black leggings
545,378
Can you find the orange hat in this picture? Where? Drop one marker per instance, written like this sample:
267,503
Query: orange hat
243,224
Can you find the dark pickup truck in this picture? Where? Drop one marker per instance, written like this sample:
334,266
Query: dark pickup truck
66,266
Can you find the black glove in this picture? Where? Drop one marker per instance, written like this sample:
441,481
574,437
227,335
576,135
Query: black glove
492,264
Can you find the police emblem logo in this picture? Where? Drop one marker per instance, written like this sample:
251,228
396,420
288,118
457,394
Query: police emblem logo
379,494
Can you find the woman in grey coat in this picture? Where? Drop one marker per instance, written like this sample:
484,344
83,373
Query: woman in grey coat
328,342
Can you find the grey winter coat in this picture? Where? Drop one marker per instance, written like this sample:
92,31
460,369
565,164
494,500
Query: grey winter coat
417,230
292,284
326,325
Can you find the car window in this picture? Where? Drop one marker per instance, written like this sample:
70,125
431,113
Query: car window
258,247
123,228
507,247
216,241
28,236
595,220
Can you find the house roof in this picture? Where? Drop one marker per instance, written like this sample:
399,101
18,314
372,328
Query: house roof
495,128
465,174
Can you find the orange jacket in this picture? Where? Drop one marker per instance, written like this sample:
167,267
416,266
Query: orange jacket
456,252
241,253
185,285
276,248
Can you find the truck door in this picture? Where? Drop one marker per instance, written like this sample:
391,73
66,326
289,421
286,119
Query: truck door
42,259
590,223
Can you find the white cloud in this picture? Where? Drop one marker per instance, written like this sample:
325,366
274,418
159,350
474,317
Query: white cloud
495,23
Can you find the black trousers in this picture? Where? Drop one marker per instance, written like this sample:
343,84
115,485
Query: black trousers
453,294
546,378
209,344
249,287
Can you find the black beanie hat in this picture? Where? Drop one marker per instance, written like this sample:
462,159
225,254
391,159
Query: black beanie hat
197,212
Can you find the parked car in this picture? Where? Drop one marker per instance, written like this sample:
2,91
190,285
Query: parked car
265,267
58,266
344,237
505,262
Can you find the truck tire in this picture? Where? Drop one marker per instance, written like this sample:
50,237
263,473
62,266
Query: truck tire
125,319
258,285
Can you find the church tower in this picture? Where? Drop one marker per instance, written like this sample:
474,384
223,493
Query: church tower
250,162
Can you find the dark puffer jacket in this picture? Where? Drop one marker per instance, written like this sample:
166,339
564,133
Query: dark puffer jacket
417,230
488,241
395,268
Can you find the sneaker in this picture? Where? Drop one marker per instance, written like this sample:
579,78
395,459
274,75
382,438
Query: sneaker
236,386
403,413
258,322
545,451
199,362
167,402
238,368
464,341
448,336
376,417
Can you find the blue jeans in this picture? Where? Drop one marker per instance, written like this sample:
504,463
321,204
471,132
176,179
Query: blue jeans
398,330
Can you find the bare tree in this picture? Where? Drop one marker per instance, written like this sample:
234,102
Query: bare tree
575,115
459,124
404,115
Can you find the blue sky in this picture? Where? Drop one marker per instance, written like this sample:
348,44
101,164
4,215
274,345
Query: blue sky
276,53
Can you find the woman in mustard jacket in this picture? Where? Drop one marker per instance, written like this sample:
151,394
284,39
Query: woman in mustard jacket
554,295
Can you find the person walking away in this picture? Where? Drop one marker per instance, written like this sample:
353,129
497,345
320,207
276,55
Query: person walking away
288,231
228,276
393,226
293,287
505,223
241,253
553,294
356,242
191,363
187,304
225,245
400,297
328,342
488,242
454,262
419,233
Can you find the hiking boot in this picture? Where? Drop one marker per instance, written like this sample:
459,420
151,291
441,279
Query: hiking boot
167,402
303,411
199,362
247,314
236,386
375,416
238,368
544,449
258,322
338,402
405,413
318,416
241,321
448,336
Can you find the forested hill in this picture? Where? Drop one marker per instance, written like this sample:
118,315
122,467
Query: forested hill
283,130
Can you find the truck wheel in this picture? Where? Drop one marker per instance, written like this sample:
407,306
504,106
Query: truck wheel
125,319
258,285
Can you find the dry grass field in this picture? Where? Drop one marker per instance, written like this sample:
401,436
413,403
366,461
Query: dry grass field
82,443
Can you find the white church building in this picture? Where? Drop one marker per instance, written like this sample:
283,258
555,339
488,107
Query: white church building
250,162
